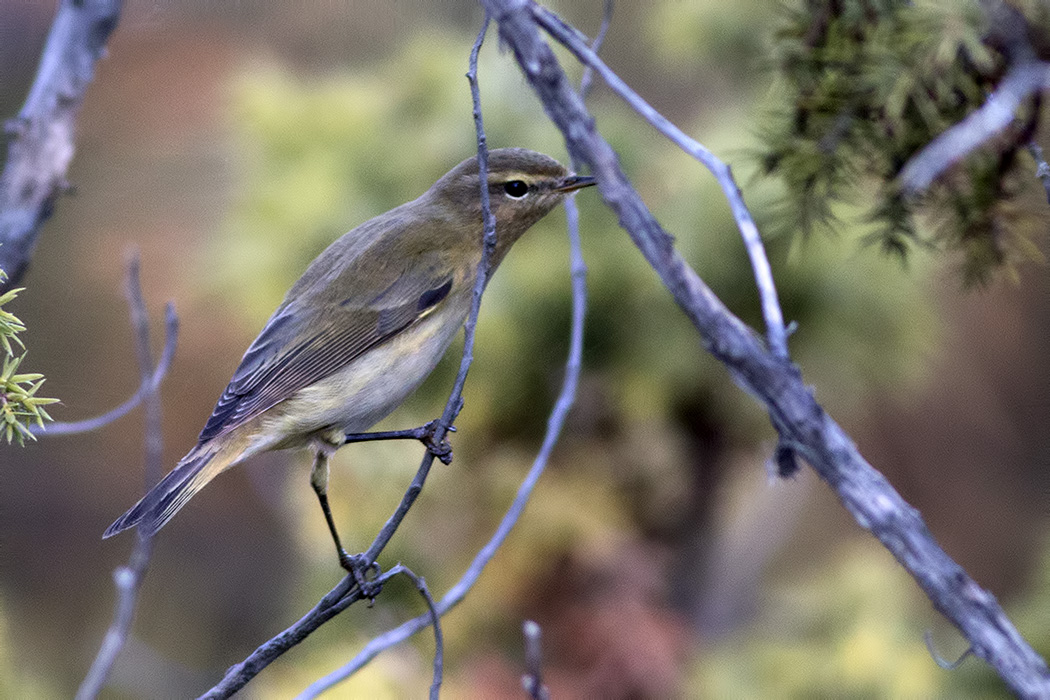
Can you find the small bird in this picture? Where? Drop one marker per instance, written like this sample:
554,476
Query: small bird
362,328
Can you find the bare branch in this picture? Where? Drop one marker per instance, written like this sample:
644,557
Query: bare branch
586,80
39,154
576,42
555,424
334,602
455,399
346,593
1042,168
802,423
435,622
128,579
977,128
532,681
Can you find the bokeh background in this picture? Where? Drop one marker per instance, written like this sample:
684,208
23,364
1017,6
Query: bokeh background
230,142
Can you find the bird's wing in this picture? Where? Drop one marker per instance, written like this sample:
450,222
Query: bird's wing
300,347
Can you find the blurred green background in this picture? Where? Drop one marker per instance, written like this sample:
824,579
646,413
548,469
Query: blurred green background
231,142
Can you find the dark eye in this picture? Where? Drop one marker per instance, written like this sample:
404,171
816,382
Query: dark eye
516,189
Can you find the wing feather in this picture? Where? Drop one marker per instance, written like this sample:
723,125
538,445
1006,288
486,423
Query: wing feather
284,359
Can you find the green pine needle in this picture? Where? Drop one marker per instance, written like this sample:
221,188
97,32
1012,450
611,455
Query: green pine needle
20,407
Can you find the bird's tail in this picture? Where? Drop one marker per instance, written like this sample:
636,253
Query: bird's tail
201,465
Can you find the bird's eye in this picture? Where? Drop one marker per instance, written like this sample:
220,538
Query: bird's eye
516,189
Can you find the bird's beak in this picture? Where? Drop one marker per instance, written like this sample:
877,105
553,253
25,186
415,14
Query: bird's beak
575,182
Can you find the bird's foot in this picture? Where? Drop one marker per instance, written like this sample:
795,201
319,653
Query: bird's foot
443,449
364,572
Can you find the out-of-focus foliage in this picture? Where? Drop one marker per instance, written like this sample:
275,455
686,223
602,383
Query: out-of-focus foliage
851,633
864,85
16,681
20,407
844,633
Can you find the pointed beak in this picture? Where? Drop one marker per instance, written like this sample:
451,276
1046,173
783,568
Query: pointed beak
575,182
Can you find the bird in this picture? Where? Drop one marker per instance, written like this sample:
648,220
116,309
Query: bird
361,329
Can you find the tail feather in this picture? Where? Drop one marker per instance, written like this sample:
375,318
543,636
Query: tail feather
166,498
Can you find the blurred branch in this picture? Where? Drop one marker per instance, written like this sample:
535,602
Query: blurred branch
532,681
128,579
777,384
41,149
983,124
435,622
776,332
586,80
1042,168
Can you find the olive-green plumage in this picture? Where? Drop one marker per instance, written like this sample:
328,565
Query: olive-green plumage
363,326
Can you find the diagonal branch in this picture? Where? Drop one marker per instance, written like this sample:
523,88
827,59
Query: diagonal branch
778,385
42,148
346,592
982,125
555,424
576,42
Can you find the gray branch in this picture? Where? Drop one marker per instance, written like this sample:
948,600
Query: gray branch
42,145
776,383
982,125
756,252
128,579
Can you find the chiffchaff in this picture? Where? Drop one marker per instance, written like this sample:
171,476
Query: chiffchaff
362,328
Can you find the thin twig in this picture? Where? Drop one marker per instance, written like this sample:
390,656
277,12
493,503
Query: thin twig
587,79
940,660
800,420
576,42
981,125
435,622
532,681
345,593
555,424
1042,168
334,602
128,579
455,399
42,146
776,333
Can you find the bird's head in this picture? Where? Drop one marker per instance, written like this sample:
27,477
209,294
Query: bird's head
523,187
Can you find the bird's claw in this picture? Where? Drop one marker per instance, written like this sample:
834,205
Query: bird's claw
364,572
443,449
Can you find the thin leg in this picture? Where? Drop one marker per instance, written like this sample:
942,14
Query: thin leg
425,434
319,481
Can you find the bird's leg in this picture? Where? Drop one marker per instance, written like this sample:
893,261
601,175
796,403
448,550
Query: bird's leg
425,434
355,565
